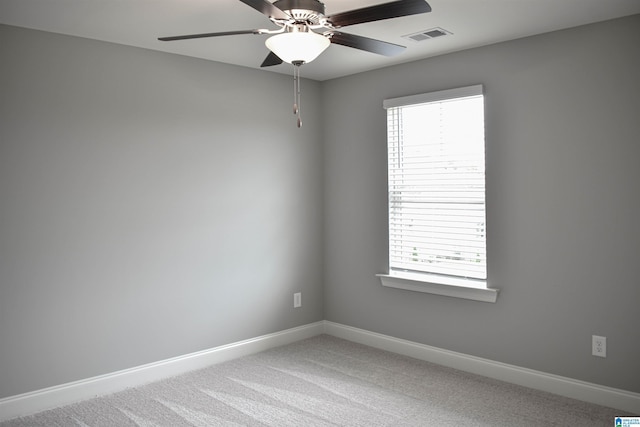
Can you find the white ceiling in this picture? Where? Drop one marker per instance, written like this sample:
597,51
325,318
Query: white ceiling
139,22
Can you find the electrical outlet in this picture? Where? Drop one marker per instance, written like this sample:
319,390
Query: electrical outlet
598,346
297,300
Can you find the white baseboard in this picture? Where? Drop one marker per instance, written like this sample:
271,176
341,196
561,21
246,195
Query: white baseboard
52,397
581,390
65,394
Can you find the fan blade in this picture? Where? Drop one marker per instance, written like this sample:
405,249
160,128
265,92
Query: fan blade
364,43
271,59
379,12
199,36
266,8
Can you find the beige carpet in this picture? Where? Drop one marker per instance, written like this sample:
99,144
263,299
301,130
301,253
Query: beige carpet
326,381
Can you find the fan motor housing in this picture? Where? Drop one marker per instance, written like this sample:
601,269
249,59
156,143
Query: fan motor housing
314,6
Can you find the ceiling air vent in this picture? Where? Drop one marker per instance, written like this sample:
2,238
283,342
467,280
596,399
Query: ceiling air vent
431,33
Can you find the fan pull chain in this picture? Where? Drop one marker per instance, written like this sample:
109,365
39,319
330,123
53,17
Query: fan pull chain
296,91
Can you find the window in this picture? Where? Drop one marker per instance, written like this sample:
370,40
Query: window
436,183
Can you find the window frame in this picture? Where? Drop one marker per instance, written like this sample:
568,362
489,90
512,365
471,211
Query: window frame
453,286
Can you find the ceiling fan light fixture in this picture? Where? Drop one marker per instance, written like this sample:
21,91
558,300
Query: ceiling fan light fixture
296,43
298,46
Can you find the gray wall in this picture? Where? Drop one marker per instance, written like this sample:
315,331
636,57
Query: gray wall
562,152
151,205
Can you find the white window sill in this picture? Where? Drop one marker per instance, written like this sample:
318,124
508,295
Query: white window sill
448,286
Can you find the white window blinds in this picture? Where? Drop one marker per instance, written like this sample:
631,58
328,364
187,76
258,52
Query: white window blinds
437,183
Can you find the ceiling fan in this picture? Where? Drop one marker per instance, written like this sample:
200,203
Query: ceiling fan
304,31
